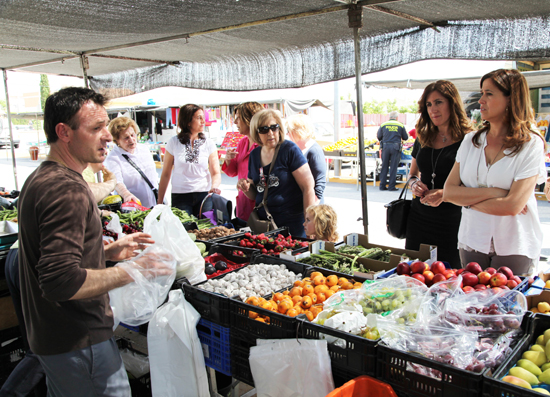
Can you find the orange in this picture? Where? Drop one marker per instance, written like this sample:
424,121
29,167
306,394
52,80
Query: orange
306,280
266,305
306,302
278,296
253,300
261,300
252,315
321,288
315,310
335,288
321,297
308,289
357,285
286,292
292,312
274,305
284,306
329,293
298,308
296,299
332,280
296,291
348,285
298,283
319,280
342,280
260,319
315,274
313,298
267,320
309,315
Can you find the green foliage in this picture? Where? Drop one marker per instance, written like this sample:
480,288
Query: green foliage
387,106
44,90
3,106
412,108
374,107
391,106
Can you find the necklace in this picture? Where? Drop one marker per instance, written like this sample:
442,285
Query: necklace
490,163
443,138
435,165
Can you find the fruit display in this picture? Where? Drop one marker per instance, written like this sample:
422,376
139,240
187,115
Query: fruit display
334,261
270,245
306,296
260,279
136,218
341,144
212,233
217,264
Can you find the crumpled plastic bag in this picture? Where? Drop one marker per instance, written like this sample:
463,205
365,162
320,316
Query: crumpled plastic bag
291,368
115,226
432,308
135,303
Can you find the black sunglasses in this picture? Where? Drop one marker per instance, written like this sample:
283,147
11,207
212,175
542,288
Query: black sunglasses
265,129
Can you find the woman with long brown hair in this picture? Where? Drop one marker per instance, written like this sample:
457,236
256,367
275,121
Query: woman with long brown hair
494,177
440,130
191,161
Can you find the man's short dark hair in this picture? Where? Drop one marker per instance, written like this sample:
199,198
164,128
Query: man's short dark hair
62,106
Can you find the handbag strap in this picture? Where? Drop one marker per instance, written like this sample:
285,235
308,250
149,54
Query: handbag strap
139,170
264,200
404,190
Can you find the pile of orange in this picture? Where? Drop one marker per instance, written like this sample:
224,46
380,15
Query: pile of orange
306,296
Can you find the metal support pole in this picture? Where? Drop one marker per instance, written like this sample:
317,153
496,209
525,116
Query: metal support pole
85,65
337,163
355,14
9,125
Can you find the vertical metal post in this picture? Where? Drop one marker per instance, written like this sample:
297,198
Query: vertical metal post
85,65
355,15
337,163
9,125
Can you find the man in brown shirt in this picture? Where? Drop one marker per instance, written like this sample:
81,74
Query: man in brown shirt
64,282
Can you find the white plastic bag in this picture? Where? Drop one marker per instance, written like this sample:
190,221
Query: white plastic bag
175,352
115,226
135,303
170,233
291,368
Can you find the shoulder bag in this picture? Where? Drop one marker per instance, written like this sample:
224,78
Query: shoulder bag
256,224
397,214
155,190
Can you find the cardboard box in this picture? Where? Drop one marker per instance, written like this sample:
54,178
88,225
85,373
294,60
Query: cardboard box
426,253
8,317
534,300
541,281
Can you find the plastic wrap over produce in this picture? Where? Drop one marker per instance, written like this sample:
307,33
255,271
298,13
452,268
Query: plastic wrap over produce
154,272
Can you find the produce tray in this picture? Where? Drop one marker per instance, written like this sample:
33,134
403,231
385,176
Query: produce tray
211,306
216,347
328,272
357,356
391,367
240,352
493,386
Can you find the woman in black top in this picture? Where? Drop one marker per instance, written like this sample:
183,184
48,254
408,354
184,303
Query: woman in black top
440,130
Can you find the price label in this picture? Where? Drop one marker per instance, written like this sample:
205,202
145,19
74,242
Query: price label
287,255
245,229
317,246
352,239
433,255
303,255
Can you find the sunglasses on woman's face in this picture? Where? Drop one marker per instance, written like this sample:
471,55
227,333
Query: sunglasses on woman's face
265,129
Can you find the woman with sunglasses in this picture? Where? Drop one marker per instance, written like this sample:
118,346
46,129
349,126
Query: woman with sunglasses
290,183
494,177
192,160
236,161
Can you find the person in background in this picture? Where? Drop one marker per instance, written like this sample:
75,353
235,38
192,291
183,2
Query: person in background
236,160
494,179
390,135
127,159
191,161
100,190
64,281
321,223
300,130
412,133
291,185
441,127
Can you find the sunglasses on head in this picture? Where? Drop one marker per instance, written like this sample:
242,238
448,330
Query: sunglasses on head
265,129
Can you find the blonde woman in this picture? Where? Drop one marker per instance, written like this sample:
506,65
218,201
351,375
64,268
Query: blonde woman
321,223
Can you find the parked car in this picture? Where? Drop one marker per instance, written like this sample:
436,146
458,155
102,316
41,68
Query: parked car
5,133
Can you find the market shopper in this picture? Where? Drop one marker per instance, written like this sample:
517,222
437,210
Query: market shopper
132,164
441,128
291,185
300,131
236,160
191,161
494,177
64,282
390,135
321,223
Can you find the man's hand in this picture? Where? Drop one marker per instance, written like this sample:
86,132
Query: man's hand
151,265
125,247
130,197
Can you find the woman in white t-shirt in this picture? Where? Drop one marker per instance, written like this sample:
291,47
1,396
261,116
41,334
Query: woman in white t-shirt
494,177
130,183
191,160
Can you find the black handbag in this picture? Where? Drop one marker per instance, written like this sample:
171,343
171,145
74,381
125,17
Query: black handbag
221,206
397,214
256,224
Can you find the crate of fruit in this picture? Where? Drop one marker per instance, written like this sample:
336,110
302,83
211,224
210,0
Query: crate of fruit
272,243
526,369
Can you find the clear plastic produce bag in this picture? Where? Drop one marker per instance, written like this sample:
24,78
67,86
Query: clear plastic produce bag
291,368
391,294
114,225
487,312
169,232
175,352
432,308
135,303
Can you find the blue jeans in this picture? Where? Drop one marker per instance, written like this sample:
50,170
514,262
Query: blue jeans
191,202
96,370
391,155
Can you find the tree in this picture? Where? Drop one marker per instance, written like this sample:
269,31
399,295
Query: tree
373,107
412,108
44,89
3,106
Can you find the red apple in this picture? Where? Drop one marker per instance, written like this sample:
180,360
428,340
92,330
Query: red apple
505,288
498,280
496,290
517,279
459,271
439,277
511,284
491,270
449,273
403,268
473,267
469,279
480,287
419,277
428,276
467,289
438,267
484,277
418,267
506,271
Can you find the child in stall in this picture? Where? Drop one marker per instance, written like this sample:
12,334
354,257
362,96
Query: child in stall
321,223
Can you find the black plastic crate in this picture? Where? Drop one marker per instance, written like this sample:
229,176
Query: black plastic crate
492,383
141,387
211,306
342,376
391,367
357,356
328,272
240,365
